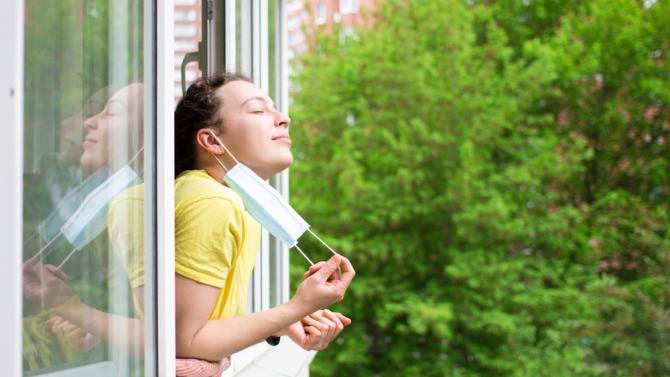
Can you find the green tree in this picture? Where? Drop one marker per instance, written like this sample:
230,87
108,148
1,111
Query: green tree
497,172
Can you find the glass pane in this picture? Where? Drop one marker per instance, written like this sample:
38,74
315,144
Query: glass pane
243,46
275,245
85,104
187,34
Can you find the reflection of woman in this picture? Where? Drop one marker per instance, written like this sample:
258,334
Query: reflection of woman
217,240
112,137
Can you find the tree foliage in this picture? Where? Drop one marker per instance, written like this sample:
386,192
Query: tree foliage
498,174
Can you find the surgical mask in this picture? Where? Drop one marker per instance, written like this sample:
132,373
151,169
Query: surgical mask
50,227
266,205
89,220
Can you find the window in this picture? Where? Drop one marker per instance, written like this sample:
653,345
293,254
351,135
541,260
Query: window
187,34
88,133
320,17
348,6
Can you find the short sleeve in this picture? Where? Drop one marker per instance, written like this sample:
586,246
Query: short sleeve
126,233
208,234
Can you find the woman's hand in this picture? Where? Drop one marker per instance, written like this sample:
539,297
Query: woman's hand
45,285
70,335
317,330
325,284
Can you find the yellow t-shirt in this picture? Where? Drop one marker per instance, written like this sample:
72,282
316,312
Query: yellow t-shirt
217,241
125,220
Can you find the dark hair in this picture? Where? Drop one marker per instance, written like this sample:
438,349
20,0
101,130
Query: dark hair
197,109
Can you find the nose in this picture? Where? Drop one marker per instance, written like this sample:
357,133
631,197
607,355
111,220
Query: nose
91,123
282,120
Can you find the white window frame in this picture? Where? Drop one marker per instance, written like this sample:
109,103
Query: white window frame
11,191
320,12
164,205
254,62
159,72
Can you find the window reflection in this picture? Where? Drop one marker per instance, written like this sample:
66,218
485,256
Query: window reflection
83,272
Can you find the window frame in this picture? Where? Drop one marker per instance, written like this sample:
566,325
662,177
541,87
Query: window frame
11,191
159,231
164,188
251,58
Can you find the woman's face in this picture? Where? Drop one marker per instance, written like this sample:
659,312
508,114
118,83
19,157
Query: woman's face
119,122
253,130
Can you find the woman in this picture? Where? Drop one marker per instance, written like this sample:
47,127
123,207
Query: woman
220,120
111,144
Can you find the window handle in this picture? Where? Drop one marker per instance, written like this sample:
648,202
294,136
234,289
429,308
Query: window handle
188,58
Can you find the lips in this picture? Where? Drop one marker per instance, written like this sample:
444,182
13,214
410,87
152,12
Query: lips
283,138
89,142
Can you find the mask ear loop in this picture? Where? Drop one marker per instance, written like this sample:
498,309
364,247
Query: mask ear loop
67,258
135,158
320,240
227,151
304,255
40,251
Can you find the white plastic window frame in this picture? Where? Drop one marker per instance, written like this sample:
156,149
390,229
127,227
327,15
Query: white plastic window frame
11,192
254,62
164,185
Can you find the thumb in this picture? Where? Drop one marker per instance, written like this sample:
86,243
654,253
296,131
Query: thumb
57,272
329,268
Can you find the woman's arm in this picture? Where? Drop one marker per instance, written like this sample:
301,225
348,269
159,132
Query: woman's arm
104,326
199,337
46,283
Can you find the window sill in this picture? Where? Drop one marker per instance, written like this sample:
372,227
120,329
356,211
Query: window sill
285,360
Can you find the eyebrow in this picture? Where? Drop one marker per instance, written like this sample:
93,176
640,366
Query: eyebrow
258,98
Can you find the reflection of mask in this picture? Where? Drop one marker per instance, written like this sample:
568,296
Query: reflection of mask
90,219
266,204
50,227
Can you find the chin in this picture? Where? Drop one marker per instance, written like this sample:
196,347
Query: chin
90,164
286,162
279,165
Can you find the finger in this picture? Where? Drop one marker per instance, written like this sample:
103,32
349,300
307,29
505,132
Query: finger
348,272
329,268
52,322
319,324
313,269
73,331
339,326
56,272
312,338
30,262
345,320
330,326
31,265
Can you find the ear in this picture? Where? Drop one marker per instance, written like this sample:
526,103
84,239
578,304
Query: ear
205,138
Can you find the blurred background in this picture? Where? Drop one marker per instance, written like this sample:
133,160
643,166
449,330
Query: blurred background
498,173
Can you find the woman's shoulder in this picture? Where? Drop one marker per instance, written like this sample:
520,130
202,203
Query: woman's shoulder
196,186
